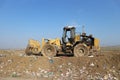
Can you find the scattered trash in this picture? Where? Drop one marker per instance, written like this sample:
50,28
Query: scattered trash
51,60
15,74
21,54
69,63
91,56
2,55
65,68
92,64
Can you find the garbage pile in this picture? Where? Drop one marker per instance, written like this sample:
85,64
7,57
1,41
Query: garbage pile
101,67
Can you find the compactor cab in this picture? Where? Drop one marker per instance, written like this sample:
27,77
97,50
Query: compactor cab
68,38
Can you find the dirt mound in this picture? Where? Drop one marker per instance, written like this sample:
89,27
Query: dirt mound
14,64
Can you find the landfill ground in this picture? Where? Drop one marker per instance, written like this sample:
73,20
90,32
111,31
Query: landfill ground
15,65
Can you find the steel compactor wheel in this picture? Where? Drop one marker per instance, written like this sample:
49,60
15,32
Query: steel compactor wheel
80,50
49,50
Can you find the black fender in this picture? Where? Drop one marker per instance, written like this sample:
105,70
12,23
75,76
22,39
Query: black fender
76,43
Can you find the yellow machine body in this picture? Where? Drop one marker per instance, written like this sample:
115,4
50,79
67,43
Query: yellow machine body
34,46
97,44
78,44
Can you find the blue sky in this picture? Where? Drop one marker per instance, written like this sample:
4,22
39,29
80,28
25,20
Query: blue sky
21,20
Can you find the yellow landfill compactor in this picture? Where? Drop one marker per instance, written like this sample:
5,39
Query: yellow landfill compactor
71,43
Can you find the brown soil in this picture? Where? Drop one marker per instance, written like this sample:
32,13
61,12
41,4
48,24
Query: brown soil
15,65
